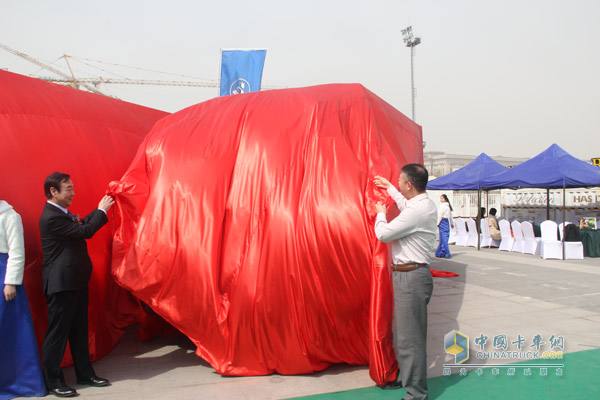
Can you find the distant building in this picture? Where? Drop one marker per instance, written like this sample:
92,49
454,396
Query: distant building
440,163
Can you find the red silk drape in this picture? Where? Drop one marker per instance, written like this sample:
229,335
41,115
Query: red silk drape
46,127
247,223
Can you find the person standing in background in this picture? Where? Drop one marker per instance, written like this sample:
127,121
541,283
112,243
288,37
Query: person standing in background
445,224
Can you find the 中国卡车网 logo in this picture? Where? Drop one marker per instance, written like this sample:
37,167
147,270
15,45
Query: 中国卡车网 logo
457,344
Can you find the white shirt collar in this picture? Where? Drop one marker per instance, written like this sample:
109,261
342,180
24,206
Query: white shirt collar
418,197
59,207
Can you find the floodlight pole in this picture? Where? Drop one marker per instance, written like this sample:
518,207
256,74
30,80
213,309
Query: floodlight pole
411,42
412,79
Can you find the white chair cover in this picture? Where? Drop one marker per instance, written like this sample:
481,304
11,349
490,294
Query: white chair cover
518,235
486,239
561,229
507,241
550,246
472,233
573,250
452,237
530,242
461,232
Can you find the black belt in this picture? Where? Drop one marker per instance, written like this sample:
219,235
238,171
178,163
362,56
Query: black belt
406,267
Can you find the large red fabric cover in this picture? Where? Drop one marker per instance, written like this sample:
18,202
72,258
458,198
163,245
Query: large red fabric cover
247,223
46,127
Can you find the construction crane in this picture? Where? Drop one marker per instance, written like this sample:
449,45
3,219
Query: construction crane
126,81
68,79
91,83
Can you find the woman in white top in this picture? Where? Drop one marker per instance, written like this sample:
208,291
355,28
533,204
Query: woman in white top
445,223
20,372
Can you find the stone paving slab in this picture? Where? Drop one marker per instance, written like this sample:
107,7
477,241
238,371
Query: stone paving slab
497,293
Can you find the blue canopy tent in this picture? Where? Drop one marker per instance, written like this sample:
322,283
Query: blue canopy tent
553,168
469,177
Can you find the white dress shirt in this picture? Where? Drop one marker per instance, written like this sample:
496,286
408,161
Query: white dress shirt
412,233
11,243
445,212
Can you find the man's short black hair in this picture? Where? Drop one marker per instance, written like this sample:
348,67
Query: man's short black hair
53,181
417,175
493,211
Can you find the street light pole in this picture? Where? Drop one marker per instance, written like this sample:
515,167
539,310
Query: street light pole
412,79
411,42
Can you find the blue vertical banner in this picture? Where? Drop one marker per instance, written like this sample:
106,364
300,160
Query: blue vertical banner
241,71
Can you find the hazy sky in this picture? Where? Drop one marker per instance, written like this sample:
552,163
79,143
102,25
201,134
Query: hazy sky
508,78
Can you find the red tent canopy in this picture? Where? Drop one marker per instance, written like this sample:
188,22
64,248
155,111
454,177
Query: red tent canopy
44,128
247,223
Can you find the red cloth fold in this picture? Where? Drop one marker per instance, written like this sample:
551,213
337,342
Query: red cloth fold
438,273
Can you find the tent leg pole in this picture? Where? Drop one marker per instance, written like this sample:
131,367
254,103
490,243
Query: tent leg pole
564,221
547,204
478,227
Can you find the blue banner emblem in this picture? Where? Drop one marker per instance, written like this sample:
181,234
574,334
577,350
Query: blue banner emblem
241,71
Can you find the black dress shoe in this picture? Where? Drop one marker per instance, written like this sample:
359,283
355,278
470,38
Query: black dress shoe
63,391
94,381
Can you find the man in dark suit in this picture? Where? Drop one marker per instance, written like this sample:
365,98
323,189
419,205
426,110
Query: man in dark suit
67,268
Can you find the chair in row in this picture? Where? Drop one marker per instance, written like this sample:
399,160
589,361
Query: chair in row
523,240
465,232
486,238
573,250
518,237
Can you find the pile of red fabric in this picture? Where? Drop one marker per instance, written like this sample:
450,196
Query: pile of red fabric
44,128
247,222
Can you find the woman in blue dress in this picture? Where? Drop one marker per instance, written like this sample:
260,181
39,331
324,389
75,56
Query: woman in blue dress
445,223
20,372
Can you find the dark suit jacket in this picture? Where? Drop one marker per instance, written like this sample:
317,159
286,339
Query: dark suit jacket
67,265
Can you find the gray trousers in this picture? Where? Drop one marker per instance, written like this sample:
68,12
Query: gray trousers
412,291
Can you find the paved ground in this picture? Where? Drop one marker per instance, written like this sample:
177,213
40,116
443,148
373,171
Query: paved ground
497,293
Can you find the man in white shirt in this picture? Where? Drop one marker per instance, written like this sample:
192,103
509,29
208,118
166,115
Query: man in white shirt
412,238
